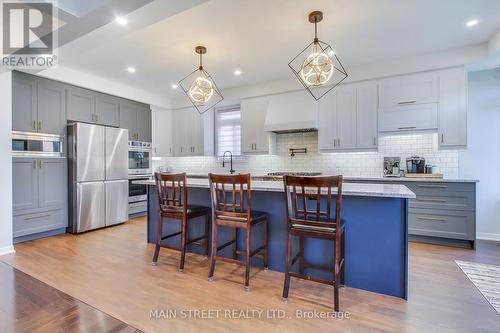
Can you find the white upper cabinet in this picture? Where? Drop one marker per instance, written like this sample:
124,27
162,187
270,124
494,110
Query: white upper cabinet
453,108
254,138
162,133
347,118
366,116
408,90
409,118
193,133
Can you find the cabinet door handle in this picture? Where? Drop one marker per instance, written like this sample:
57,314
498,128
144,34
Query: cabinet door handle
96,117
36,217
181,149
334,142
442,137
338,142
406,127
431,200
407,102
374,141
431,186
432,218
39,124
34,124
34,164
170,150
155,149
39,164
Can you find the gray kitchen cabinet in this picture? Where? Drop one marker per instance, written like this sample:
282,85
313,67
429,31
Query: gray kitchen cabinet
163,133
193,134
136,118
106,110
144,124
52,182
39,195
327,122
81,104
452,128
51,103
24,113
24,183
254,138
38,105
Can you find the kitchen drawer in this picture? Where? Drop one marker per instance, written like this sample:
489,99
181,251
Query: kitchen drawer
445,200
439,188
33,223
408,90
441,223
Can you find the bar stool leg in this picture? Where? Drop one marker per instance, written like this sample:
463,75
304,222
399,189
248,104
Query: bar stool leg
336,276
266,250
286,285
235,245
159,232
213,252
301,255
247,263
207,224
342,271
183,243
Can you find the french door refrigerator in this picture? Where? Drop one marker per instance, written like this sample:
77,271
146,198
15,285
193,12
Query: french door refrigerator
97,176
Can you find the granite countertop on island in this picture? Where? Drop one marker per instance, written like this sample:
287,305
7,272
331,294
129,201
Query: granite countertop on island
350,189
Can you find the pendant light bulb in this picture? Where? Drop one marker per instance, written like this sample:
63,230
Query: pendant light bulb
317,69
201,90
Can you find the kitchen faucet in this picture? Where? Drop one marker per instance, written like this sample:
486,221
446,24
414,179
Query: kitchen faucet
231,161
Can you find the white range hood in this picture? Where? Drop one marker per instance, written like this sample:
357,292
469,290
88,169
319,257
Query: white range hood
292,112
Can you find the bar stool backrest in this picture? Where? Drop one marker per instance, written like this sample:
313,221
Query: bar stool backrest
231,197
172,192
309,201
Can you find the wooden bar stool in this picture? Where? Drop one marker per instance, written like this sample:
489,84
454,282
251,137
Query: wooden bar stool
232,207
173,204
314,221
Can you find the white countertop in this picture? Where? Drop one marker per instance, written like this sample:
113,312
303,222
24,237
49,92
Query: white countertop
349,189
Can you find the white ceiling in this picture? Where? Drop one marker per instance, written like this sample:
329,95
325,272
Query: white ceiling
260,37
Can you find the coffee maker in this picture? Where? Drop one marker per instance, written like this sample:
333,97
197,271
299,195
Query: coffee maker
392,167
415,164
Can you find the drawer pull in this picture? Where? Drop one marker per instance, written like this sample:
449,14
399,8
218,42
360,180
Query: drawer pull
406,128
407,102
432,186
36,217
432,218
431,200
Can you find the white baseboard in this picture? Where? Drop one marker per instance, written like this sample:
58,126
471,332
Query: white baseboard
7,250
488,236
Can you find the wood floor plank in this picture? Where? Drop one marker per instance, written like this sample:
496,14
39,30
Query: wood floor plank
111,270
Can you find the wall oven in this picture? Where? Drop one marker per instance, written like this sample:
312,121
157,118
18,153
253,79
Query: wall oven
139,158
137,195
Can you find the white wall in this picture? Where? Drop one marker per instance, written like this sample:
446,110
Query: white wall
482,158
6,163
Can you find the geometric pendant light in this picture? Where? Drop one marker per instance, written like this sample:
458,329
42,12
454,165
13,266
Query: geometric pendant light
318,65
200,87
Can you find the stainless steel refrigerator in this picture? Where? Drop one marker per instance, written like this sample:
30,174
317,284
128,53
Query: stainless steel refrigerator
98,176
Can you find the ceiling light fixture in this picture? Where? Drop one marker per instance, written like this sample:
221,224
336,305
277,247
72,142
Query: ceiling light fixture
174,86
472,23
200,87
318,65
121,20
131,69
237,72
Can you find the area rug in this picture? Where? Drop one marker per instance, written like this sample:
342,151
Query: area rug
486,278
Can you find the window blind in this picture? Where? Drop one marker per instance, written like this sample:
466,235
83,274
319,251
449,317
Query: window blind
228,131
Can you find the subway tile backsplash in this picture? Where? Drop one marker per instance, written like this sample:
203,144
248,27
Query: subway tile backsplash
361,164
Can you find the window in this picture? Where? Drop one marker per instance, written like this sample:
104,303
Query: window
228,130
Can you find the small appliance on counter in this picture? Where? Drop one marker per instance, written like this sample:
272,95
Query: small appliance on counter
392,167
415,164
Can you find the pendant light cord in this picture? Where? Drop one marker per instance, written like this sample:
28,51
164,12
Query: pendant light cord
201,64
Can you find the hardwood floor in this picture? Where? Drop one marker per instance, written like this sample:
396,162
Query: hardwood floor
28,305
111,270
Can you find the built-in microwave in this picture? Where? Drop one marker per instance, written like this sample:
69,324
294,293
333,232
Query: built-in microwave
27,144
139,158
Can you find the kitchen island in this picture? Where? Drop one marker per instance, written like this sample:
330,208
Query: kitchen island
376,232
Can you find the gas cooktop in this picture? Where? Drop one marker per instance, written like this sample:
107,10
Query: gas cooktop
306,174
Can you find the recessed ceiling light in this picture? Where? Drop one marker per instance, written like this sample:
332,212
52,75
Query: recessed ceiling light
131,69
121,20
237,72
472,22
174,86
